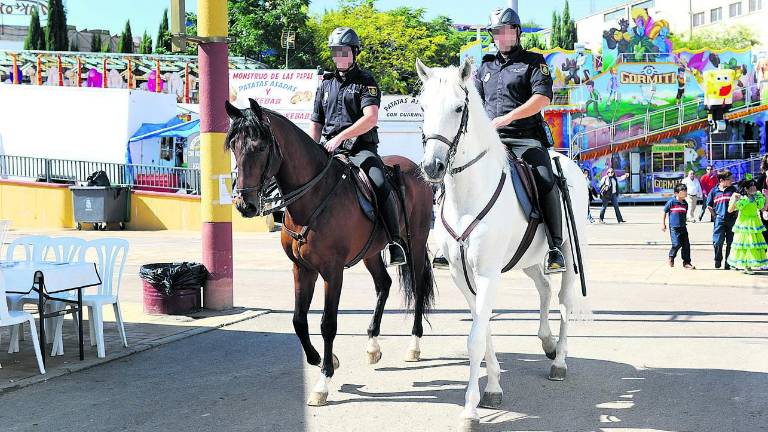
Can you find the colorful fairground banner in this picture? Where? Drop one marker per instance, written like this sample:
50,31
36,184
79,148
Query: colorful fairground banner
288,91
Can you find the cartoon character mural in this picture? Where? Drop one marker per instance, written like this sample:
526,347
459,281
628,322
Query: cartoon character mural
572,68
647,41
718,96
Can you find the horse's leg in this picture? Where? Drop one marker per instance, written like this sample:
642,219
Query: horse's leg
333,280
382,281
558,370
486,287
304,287
420,276
493,393
548,343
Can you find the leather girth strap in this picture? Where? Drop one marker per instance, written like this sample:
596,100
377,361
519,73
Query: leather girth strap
461,239
530,230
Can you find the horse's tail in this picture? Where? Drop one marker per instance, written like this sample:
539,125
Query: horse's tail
418,288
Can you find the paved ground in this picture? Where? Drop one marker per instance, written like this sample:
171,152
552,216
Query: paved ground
669,350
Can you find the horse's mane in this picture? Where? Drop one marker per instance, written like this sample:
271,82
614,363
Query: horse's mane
486,137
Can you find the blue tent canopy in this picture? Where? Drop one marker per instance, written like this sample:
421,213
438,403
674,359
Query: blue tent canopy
174,128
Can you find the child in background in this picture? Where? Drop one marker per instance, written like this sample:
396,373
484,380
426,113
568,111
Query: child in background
717,203
748,243
677,208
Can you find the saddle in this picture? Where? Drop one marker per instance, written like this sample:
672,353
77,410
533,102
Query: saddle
366,196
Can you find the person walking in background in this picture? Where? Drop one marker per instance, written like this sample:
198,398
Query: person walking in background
708,182
676,209
717,203
749,244
609,193
762,185
592,195
693,187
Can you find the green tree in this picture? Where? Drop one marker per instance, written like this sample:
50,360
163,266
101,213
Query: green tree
533,40
256,28
163,45
126,39
56,36
554,35
145,47
733,37
96,43
392,41
35,34
567,29
106,45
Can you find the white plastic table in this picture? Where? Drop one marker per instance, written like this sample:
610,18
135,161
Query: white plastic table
47,279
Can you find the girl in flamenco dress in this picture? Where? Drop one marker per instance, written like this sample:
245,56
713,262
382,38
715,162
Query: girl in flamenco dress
749,246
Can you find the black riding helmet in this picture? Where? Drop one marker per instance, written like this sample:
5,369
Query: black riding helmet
505,16
344,36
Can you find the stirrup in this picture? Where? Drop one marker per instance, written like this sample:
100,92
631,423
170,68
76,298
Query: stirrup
386,255
551,267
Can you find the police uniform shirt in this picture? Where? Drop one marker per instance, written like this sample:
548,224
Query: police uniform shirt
505,84
677,211
719,199
339,103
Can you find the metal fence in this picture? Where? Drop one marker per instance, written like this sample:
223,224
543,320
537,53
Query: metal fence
740,168
734,150
139,177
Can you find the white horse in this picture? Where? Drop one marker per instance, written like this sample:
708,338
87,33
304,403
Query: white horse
449,99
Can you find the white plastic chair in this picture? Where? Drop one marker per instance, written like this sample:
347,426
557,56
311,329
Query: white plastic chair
33,248
60,249
16,318
111,254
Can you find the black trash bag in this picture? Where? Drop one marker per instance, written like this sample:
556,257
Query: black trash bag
171,277
98,178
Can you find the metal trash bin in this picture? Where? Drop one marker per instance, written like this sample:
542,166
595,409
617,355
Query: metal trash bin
101,205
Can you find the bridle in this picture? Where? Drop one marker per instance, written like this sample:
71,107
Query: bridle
453,144
270,199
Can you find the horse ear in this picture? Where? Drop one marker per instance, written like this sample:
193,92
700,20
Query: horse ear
233,112
256,108
466,69
424,72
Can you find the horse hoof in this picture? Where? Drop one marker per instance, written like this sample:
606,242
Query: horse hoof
557,373
550,354
317,399
491,400
413,356
374,357
336,362
469,425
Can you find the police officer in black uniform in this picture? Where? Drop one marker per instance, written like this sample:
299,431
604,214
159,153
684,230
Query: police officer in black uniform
515,86
344,121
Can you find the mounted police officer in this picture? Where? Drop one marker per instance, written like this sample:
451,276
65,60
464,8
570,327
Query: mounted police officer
515,86
344,121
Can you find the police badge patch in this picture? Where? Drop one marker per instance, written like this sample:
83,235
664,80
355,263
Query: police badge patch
373,91
544,69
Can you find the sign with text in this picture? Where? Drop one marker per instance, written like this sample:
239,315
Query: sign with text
400,108
23,7
290,92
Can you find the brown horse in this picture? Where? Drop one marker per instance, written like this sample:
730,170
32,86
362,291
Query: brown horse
325,230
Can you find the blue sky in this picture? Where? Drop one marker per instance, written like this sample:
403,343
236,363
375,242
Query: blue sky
146,14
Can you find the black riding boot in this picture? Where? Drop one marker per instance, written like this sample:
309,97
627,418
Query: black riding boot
553,217
392,227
